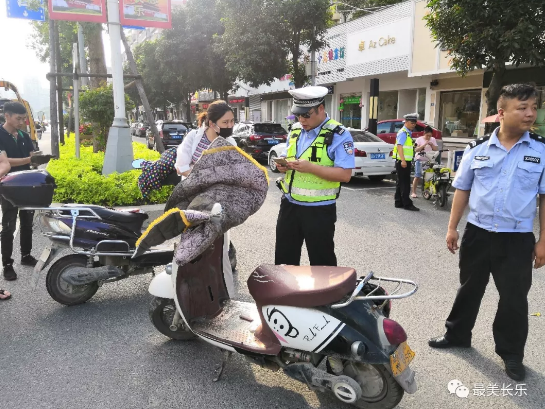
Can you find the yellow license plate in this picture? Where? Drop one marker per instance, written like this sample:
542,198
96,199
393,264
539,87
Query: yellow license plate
401,358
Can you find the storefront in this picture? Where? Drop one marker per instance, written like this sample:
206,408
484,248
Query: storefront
459,113
237,103
350,110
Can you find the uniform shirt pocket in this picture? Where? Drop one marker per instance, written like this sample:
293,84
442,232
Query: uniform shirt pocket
527,175
483,170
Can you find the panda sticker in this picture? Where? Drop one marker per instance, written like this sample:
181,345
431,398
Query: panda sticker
280,324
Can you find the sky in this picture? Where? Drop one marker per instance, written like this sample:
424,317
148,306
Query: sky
17,61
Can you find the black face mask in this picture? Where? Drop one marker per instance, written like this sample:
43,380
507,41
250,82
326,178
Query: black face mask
225,132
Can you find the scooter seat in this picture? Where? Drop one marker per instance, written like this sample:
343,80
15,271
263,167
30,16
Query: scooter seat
131,220
300,286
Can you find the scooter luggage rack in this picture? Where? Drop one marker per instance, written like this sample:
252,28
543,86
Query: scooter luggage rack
75,213
391,296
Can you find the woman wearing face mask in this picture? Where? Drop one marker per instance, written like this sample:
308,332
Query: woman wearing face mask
217,121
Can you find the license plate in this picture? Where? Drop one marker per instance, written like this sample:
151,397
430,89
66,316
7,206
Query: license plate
401,358
176,136
272,141
378,156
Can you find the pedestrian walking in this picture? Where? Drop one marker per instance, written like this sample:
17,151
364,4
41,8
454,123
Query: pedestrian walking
426,143
404,155
4,169
320,155
19,148
503,172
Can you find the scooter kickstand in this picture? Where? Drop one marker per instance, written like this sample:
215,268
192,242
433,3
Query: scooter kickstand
221,368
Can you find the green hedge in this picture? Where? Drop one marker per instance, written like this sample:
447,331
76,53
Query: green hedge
81,180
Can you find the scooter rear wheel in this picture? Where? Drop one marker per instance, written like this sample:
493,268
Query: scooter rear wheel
161,312
60,290
379,388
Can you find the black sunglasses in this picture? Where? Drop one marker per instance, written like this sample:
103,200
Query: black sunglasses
306,115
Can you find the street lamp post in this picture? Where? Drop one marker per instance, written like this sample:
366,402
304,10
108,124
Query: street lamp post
118,156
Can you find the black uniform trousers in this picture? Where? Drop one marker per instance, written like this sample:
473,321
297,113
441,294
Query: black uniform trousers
315,225
9,222
403,185
508,256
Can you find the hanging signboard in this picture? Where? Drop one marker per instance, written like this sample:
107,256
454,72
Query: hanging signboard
19,9
145,13
93,11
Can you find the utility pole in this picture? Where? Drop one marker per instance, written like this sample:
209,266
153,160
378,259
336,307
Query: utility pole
313,60
52,92
58,58
118,156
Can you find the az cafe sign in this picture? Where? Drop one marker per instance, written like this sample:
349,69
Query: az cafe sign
391,40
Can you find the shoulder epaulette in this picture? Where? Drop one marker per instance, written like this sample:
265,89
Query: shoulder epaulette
335,128
537,137
478,141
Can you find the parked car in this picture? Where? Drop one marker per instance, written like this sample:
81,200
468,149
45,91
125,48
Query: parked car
387,131
373,156
256,138
139,129
171,132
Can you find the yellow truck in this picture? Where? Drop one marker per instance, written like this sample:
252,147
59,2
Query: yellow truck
30,124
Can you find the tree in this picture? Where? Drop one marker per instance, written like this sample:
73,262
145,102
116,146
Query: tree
264,40
360,8
489,35
97,107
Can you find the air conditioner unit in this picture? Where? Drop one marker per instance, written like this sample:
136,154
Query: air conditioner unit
336,16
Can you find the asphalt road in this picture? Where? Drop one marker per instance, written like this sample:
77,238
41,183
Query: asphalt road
107,354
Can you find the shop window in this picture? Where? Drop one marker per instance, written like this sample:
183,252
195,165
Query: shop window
387,105
350,111
459,114
421,103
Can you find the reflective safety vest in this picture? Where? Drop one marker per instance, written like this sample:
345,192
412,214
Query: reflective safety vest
306,187
408,148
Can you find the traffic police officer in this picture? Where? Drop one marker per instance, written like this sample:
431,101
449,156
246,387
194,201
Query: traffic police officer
404,154
320,155
504,172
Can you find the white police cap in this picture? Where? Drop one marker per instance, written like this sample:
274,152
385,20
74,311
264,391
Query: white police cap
306,98
411,117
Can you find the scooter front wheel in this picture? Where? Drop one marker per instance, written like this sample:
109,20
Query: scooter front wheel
161,312
60,290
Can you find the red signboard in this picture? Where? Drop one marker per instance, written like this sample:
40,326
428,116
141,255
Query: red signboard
237,101
145,13
93,11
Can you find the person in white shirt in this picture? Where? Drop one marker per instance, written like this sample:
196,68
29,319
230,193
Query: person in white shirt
218,120
426,143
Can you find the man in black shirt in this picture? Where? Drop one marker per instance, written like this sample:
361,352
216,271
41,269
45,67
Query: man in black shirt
18,147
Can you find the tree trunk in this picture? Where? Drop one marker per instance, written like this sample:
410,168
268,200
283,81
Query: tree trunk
52,92
97,63
143,96
493,92
59,84
188,106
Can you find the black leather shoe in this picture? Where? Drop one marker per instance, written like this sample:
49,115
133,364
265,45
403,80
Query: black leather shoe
442,342
9,273
28,260
412,208
514,369
398,206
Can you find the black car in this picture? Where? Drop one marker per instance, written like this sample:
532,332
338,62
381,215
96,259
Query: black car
256,138
171,132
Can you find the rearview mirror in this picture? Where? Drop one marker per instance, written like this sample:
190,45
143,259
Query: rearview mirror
137,163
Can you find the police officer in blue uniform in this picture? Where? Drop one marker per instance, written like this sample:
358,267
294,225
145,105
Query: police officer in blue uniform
503,172
404,155
320,155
